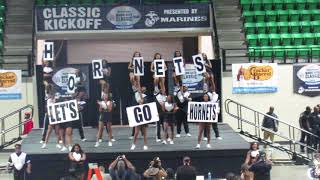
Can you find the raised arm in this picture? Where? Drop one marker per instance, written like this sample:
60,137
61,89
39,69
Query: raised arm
130,65
114,163
128,163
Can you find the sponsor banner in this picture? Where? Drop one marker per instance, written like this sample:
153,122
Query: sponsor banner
10,84
306,79
142,114
203,112
95,18
254,78
192,79
62,112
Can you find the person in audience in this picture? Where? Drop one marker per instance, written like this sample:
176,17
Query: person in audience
122,169
252,153
142,128
262,167
271,123
209,84
158,81
204,126
105,119
230,176
182,99
169,108
186,171
214,98
177,78
77,160
20,163
104,175
28,124
155,170
135,80
315,126
245,173
170,174
304,120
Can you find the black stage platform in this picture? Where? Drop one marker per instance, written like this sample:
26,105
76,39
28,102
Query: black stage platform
225,155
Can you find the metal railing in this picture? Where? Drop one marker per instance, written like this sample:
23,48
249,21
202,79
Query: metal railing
5,130
250,124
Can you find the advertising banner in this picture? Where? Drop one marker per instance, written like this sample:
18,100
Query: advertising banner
10,84
192,79
306,79
254,78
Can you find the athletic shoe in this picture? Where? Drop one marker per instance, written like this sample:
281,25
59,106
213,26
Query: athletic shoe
113,140
208,146
145,147
130,137
164,142
219,138
158,140
58,146
97,144
169,139
133,147
60,142
70,148
189,134
178,135
100,140
198,146
41,142
205,139
109,143
63,148
84,140
44,145
171,142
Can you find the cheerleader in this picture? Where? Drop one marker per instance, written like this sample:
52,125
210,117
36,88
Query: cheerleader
182,99
209,84
106,69
169,109
135,80
177,79
105,118
158,80
203,126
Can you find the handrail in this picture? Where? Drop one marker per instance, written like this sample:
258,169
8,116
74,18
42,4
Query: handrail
13,127
16,111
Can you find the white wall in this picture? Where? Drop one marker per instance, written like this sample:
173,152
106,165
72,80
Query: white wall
288,105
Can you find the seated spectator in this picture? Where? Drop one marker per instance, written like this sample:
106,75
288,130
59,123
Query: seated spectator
229,176
155,170
102,173
186,171
77,162
245,173
254,150
170,174
261,168
121,169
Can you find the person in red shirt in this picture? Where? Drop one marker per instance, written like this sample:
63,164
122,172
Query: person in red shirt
28,125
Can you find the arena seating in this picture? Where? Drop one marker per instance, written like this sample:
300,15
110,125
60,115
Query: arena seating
2,20
282,28
108,2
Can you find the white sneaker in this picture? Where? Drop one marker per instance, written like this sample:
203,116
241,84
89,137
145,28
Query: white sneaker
178,135
113,140
109,143
84,140
100,140
60,142
130,137
133,147
205,139
41,142
145,147
198,146
70,148
97,144
169,139
44,145
158,140
63,148
208,146
164,142
189,134
58,146
171,142
219,138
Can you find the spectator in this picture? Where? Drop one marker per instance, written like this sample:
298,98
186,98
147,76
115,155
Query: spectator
121,169
254,149
170,174
304,124
28,124
186,171
20,163
261,168
270,123
245,173
104,175
155,170
229,176
315,126
77,162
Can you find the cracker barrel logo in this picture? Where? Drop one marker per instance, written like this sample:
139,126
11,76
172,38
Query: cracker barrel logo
259,73
7,79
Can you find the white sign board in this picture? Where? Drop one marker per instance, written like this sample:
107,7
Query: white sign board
71,86
142,114
138,66
159,68
48,53
179,66
62,112
10,84
199,63
203,112
97,69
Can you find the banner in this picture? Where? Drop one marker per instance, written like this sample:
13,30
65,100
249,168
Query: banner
62,112
192,80
203,112
142,114
10,84
97,18
306,79
254,78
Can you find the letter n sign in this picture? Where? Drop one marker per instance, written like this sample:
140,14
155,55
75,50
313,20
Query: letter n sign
199,63
138,66
48,53
142,114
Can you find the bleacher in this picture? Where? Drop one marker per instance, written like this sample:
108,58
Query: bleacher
2,20
108,2
282,29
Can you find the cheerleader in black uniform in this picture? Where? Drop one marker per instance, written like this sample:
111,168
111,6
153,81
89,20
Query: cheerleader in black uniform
169,109
177,79
204,126
135,80
209,84
158,80
106,69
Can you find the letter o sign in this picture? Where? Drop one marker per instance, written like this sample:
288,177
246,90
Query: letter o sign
71,86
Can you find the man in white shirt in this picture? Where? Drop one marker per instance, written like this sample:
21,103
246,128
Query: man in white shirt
20,163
